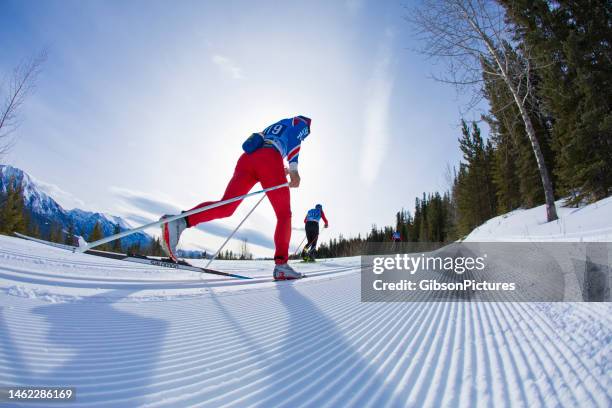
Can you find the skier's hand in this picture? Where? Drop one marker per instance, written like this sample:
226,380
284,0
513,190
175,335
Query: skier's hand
295,179
326,226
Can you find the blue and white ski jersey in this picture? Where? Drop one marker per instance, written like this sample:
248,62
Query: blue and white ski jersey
286,136
315,215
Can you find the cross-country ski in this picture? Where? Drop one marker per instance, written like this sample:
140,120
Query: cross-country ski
147,260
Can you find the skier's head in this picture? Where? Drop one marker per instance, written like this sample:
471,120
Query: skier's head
302,119
319,207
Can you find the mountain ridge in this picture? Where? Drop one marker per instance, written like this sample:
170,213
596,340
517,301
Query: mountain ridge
45,212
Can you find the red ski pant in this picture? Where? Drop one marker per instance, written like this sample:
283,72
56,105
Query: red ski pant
266,166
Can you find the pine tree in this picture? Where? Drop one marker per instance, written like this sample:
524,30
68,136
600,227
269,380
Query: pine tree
116,244
55,233
134,249
12,209
155,248
451,218
572,39
70,237
3,202
474,190
416,227
32,227
96,234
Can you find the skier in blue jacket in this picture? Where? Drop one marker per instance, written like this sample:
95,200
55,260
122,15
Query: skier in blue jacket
311,224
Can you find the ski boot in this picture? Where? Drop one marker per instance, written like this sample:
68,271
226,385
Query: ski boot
286,272
171,233
311,256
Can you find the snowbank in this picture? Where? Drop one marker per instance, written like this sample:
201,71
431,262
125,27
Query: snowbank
591,223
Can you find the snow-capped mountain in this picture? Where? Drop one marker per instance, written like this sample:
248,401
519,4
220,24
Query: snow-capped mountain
35,199
46,212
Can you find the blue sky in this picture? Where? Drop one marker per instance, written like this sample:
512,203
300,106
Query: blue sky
142,106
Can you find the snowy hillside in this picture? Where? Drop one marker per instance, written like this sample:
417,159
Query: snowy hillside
591,223
130,335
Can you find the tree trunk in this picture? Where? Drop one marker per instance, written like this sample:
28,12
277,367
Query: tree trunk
551,209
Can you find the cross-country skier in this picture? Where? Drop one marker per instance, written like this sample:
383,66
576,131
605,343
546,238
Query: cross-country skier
397,237
261,162
311,222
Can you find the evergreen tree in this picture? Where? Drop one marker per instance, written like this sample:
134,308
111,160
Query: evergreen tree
134,249
572,40
115,245
55,233
474,189
70,238
156,249
32,227
403,222
12,209
96,234
450,213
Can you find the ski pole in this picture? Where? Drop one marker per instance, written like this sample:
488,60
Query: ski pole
173,218
233,232
299,246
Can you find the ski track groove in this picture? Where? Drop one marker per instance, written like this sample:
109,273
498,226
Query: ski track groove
564,356
512,356
549,362
310,343
378,326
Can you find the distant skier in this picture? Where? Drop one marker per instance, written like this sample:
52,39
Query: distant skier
311,222
262,161
397,237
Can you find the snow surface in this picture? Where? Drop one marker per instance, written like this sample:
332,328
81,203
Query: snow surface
591,223
130,335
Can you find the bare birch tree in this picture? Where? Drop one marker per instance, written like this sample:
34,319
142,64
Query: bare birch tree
466,33
13,94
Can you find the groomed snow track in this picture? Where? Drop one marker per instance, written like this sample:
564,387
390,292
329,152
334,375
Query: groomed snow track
129,335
